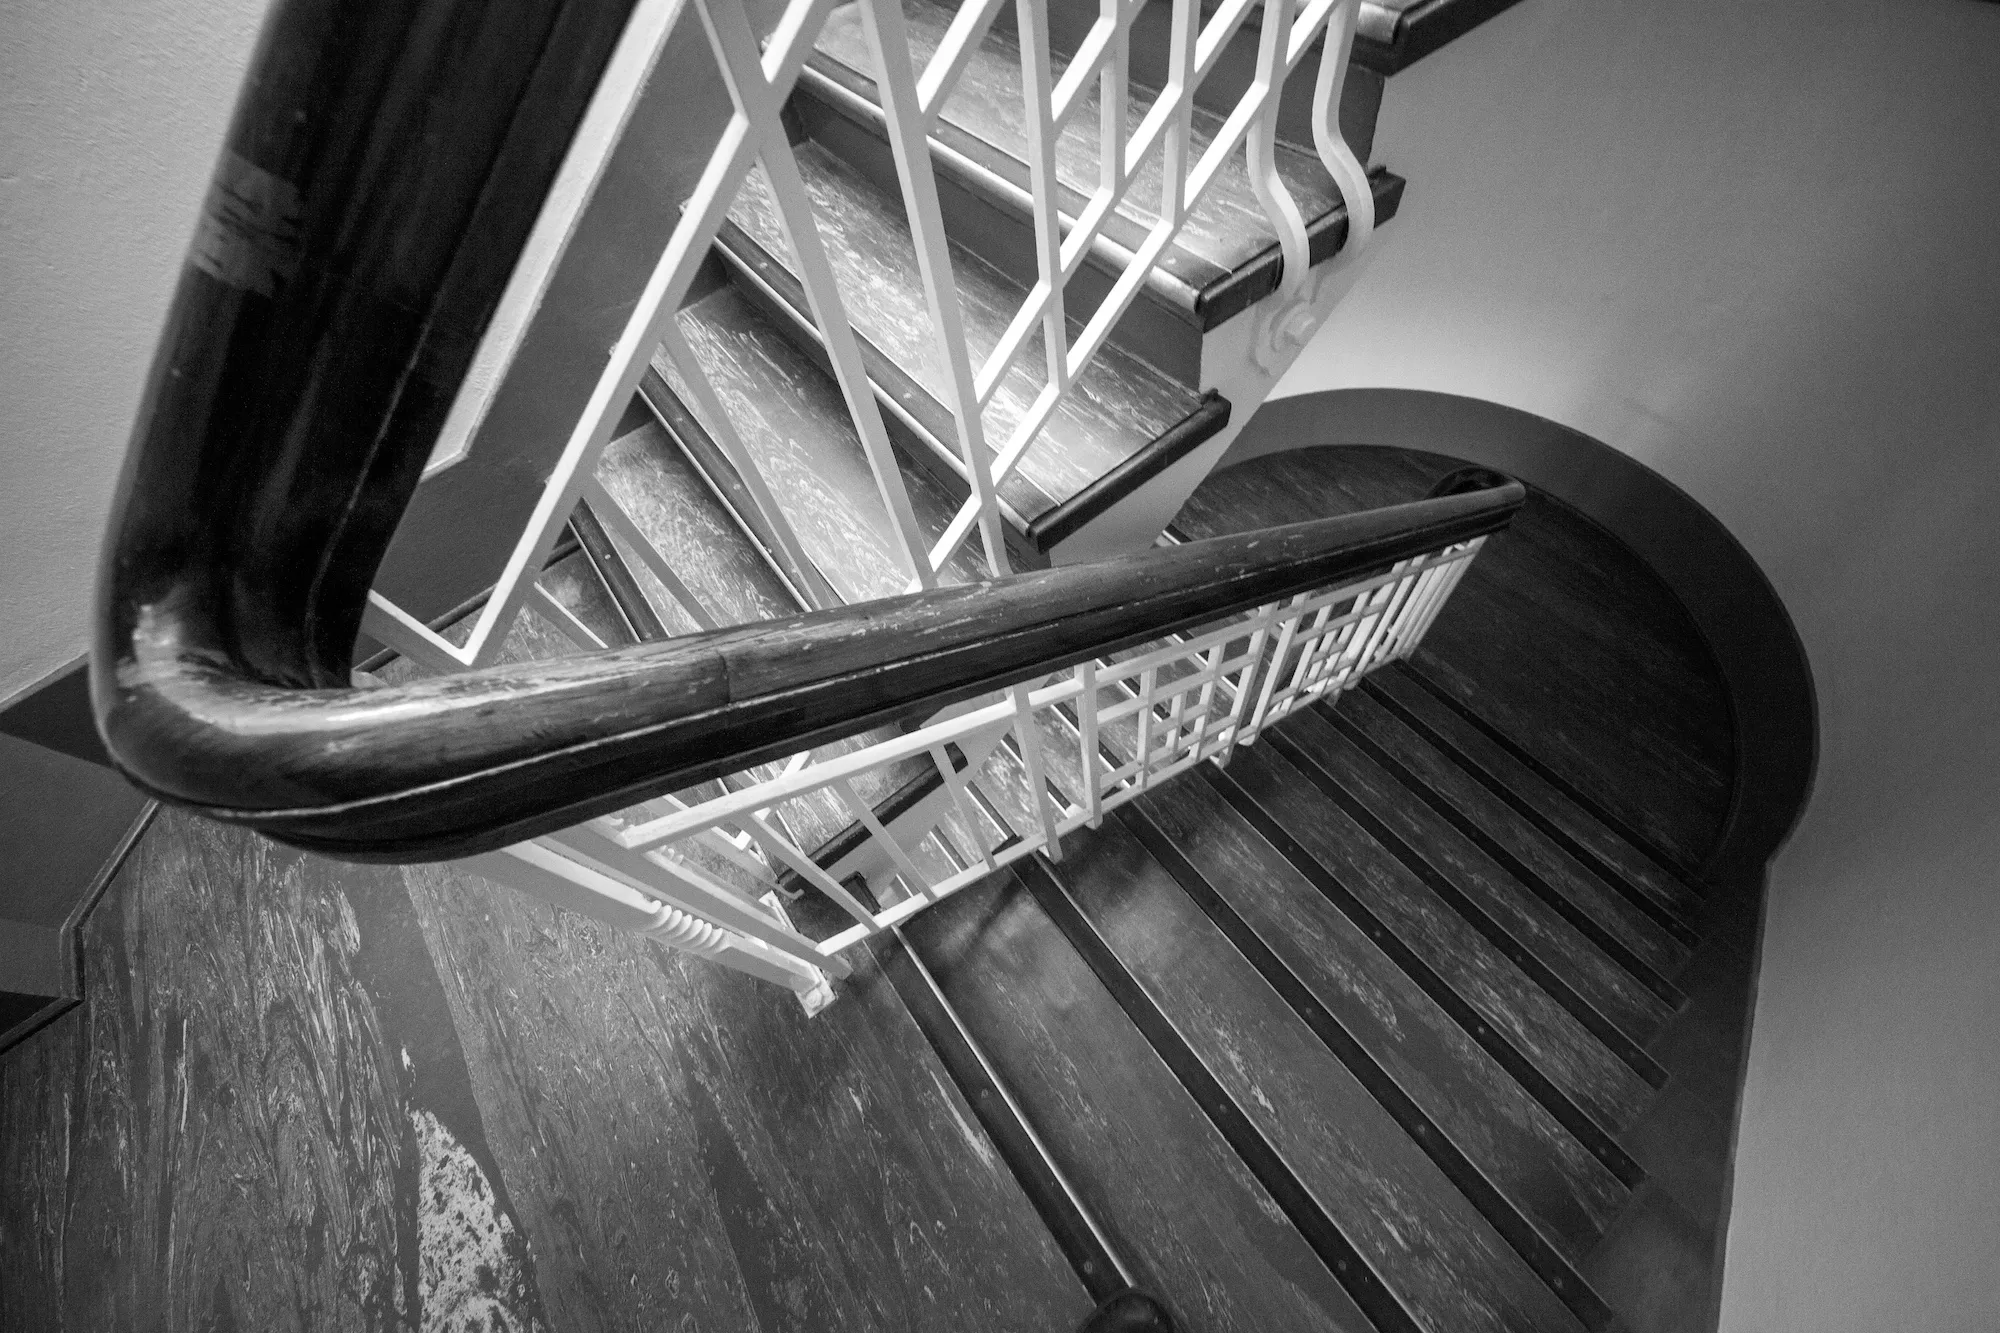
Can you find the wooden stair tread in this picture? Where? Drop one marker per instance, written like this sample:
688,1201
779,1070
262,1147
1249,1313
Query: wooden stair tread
1540,1168
1558,636
1493,764
1223,234
1132,1142
1425,1241
1486,987
1661,942
783,1155
673,505
1117,405
1556,942
794,424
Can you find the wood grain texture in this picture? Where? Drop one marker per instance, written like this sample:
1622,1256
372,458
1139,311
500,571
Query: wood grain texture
258,1118
1479,753
691,1150
1647,936
794,424
1558,635
1115,408
1225,231
1550,1038
1200,1231
1541,1169
1450,1270
1558,943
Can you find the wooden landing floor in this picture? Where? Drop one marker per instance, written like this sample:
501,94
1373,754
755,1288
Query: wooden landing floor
302,1094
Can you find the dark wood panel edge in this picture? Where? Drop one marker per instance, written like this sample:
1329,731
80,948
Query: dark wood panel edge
1350,1269
1234,292
1540,1254
1176,442
1398,40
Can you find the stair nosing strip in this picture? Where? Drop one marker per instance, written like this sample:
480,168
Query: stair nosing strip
1651,977
1539,1252
740,251
1075,1230
1670,862
1621,1043
1598,1140
1615,878
1368,1289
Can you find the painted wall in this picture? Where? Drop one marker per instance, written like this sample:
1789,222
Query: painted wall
111,113
1757,246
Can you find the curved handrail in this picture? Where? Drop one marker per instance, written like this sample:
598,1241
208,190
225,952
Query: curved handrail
332,301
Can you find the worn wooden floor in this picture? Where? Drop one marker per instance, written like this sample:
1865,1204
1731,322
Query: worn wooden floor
305,1095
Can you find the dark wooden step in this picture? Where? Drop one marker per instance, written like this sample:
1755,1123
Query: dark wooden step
1225,257
1299,1112
1558,637
1583,1083
1582,814
1119,406
1658,938
1164,1182
1522,1167
1576,830
794,425
1602,973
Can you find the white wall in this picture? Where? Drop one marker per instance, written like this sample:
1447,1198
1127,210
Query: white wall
111,114
1757,246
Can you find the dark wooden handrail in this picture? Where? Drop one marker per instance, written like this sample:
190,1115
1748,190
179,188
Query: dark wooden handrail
382,171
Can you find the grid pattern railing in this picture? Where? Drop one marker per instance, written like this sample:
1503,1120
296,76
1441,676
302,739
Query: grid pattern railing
700,872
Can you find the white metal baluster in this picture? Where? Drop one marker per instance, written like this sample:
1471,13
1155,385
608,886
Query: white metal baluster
1177,100
918,882
1093,761
1253,657
1280,209
1030,738
736,50
1277,662
661,297
1141,777
1113,90
564,619
960,44
956,786
784,851
1037,92
908,130
1349,175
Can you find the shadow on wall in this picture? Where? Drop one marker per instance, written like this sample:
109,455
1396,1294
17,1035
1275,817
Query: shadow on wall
1731,601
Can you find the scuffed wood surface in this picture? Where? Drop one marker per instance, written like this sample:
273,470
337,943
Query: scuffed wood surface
1601,982
1543,1171
1552,1040
1171,1195
1555,867
259,1118
795,426
1558,635
1225,231
1446,1265
689,1150
1116,407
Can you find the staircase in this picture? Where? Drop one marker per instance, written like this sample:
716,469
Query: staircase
1344,1030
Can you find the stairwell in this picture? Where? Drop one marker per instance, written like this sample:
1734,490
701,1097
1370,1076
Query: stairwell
1370,1029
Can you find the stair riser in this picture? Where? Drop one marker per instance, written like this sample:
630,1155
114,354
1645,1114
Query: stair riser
1156,328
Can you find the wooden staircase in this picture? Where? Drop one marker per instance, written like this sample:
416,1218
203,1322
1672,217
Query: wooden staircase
1352,1034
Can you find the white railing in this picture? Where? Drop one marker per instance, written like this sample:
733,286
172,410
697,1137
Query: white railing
695,873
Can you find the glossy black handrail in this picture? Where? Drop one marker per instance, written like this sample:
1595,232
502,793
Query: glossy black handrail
329,309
